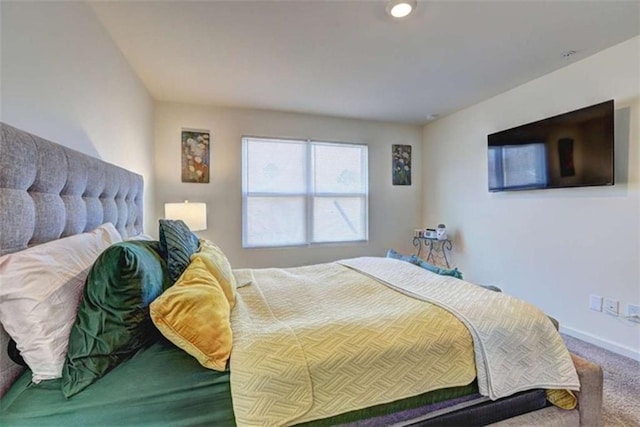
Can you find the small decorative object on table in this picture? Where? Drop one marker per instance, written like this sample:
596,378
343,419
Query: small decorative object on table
430,233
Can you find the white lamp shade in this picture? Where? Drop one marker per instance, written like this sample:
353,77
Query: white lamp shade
193,214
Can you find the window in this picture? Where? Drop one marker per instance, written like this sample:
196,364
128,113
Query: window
517,166
303,192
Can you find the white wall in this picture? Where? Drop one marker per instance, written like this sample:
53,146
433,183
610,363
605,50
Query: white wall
550,247
63,78
394,211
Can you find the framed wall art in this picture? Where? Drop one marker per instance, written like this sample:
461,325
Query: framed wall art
401,164
196,150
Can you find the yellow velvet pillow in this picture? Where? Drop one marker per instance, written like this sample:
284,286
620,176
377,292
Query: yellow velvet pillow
564,399
194,314
219,266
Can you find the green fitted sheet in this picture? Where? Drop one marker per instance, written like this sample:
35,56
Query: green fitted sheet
160,386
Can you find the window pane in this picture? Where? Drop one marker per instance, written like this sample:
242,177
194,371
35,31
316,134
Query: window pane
274,221
277,190
275,166
524,165
339,219
340,168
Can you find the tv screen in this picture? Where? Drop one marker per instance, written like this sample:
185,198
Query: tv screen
574,149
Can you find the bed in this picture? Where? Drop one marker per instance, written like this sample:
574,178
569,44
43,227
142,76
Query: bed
277,373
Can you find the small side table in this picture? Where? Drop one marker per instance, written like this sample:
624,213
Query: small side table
435,247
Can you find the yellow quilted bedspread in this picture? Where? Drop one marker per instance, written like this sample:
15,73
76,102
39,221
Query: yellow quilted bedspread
313,342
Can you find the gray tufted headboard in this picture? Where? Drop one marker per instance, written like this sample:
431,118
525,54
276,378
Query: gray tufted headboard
48,191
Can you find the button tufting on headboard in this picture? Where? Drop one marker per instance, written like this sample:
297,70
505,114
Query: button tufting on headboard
48,191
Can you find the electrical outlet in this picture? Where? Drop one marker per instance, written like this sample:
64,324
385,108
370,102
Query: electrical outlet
611,306
633,313
595,302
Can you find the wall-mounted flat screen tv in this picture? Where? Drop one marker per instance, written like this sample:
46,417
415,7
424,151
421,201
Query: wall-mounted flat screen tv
574,149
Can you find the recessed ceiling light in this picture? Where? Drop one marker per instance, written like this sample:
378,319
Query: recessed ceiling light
432,116
401,8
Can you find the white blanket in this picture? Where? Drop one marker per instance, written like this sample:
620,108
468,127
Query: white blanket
516,346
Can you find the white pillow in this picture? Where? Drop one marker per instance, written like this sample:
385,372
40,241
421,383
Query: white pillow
140,236
40,289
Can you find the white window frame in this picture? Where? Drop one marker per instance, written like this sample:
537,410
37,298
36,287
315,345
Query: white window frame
310,194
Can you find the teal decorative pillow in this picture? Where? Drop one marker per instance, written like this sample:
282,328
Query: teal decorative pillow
113,320
397,255
178,243
435,269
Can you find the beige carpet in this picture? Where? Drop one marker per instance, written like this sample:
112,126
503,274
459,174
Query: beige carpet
621,383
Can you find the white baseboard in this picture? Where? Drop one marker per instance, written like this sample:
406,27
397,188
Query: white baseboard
608,345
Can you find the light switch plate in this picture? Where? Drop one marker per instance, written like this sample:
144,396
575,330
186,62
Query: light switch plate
595,302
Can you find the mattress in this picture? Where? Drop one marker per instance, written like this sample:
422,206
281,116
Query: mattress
162,385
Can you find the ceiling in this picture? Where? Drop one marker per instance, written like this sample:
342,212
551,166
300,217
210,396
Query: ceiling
348,58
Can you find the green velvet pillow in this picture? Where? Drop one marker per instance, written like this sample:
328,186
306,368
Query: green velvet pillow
178,243
113,320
